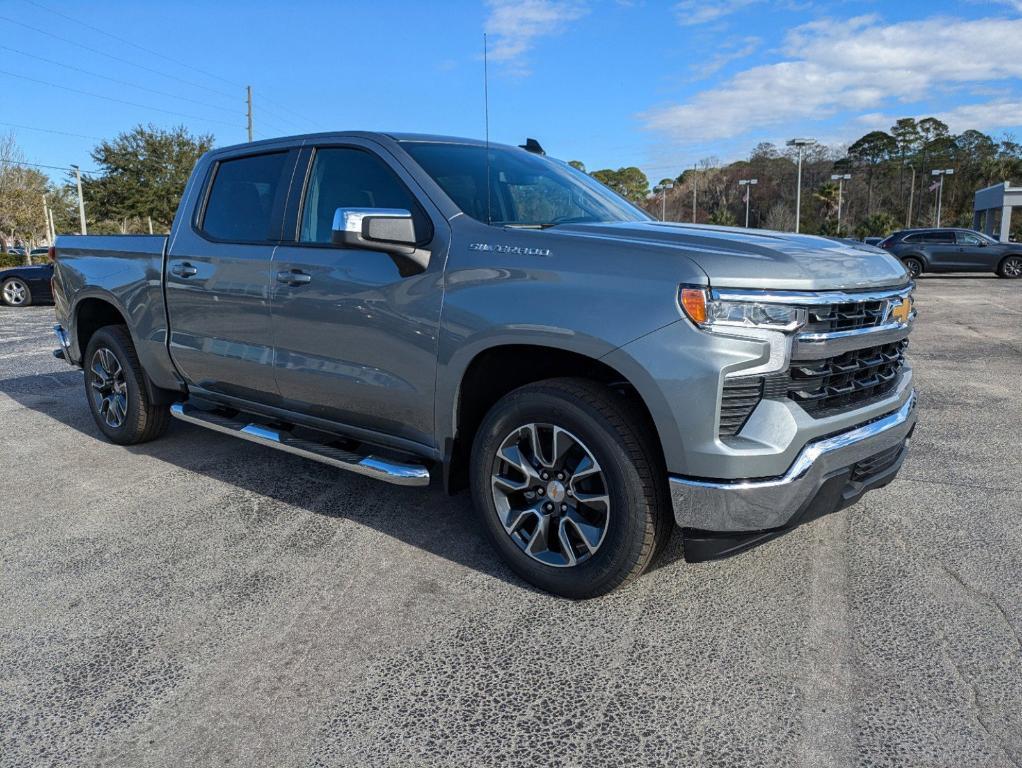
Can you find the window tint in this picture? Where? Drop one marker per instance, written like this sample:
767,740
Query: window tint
351,178
241,200
913,239
965,238
939,237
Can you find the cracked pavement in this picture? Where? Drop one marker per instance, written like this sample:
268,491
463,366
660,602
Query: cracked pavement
203,601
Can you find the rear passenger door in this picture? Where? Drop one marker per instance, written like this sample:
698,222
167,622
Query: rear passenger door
356,330
943,250
218,277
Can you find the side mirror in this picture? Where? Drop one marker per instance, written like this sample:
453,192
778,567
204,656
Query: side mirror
377,229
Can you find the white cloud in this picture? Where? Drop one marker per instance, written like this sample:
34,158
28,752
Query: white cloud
730,52
692,12
515,25
856,65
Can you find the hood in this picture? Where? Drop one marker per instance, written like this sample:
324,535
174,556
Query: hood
757,258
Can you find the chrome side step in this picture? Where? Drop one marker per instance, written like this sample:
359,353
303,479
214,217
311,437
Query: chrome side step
388,470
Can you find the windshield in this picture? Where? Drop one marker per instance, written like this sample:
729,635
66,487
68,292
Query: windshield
525,190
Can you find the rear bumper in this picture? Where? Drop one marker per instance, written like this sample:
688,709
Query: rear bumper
826,475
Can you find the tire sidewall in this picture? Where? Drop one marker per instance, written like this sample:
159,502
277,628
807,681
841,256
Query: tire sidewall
913,260
629,512
28,292
127,433
1001,269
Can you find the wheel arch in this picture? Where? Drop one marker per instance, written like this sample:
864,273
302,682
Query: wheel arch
496,370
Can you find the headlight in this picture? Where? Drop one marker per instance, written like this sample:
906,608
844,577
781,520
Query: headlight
709,313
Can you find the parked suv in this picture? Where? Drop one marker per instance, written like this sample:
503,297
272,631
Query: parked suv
954,250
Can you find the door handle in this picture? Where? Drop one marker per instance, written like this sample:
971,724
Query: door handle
293,277
184,270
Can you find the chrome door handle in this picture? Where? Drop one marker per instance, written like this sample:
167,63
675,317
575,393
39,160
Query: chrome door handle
184,270
293,277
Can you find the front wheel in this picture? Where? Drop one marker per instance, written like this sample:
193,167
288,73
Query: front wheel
1011,267
15,293
568,489
115,388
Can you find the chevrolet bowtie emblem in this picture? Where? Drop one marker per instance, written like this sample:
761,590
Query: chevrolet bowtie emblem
899,310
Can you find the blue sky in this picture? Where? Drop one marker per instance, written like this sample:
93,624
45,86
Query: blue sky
611,82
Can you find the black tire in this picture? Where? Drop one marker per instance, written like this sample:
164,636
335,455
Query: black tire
913,265
139,420
1010,267
15,286
639,517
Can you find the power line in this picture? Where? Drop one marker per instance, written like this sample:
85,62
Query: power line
50,130
116,58
116,80
40,165
119,101
162,56
133,44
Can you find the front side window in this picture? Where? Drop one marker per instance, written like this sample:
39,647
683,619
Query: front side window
353,178
511,187
241,199
966,238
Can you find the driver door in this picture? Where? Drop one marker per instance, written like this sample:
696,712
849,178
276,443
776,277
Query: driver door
355,330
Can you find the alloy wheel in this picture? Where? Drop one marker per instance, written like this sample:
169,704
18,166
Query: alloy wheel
551,495
109,387
914,268
15,292
1012,266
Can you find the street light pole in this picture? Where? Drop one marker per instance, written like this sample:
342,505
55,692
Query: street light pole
747,183
800,144
940,189
81,200
840,178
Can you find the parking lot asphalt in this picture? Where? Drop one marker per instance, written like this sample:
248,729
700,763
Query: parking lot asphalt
202,601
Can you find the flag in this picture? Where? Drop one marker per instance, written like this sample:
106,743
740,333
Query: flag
745,197
935,186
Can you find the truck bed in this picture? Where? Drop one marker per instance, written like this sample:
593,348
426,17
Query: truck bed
124,269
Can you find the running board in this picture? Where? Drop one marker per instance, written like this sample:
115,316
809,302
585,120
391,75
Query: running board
388,470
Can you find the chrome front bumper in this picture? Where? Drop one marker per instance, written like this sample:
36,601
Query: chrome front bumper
758,505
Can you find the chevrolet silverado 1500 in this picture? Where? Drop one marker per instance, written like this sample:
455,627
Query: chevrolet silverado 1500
409,307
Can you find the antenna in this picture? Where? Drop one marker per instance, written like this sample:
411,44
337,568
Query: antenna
486,117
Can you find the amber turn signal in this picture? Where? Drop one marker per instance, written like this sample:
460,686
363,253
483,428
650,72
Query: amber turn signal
693,301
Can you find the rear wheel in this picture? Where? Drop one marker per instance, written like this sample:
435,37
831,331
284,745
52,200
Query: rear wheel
115,388
1011,267
15,293
569,491
913,265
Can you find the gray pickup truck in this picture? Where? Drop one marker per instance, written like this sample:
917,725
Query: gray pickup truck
409,307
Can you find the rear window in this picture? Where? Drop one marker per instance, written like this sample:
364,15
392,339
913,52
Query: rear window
240,204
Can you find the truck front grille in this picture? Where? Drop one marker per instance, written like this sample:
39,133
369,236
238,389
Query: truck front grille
846,316
848,381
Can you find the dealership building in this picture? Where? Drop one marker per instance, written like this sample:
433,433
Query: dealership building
1000,197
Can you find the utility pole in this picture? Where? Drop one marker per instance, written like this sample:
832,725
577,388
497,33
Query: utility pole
694,194
840,178
53,229
747,183
46,221
150,224
81,200
911,196
662,189
248,100
800,144
940,189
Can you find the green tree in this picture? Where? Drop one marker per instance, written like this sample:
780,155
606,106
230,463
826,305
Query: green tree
876,225
630,182
871,151
578,165
143,174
